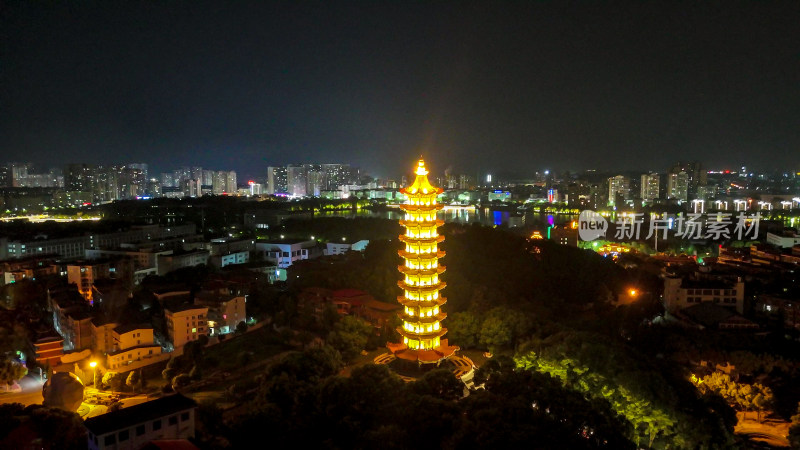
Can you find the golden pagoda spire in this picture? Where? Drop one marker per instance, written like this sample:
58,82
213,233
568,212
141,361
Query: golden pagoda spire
422,315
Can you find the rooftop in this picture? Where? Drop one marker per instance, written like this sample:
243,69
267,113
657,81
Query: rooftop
706,284
284,241
122,329
184,307
136,414
125,350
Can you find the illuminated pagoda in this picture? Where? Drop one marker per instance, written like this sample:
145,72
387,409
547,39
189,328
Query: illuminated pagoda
422,315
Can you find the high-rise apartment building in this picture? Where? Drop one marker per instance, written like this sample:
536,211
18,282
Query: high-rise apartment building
618,190
276,180
678,186
336,175
695,174
80,177
650,187
296,180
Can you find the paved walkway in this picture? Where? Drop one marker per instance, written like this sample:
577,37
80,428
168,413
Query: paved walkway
769,431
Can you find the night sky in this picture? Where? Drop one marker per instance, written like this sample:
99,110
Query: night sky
502,87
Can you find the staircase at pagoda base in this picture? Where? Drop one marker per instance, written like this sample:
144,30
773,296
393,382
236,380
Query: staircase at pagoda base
429,356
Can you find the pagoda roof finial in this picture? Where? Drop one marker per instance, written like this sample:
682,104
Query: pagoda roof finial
421,167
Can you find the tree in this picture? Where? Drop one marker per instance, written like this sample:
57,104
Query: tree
113,380
241,327
181,381
495,333
168,374
763,400
195,373
439,383
11,371
464,329
350,336
134,380
45,427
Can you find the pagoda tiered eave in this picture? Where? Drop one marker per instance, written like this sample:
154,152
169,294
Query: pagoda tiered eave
416,240
422,303
421,335
422,319
424,290
425,272
409,191
411,256
413,224
421,208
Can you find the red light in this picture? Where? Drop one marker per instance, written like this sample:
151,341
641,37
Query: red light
251,182
727,171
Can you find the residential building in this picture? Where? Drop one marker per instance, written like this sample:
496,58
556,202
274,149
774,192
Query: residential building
787,239
74,247
225,310
339,248
103,335
186,323
296,180
177,260
650,187
83,274
264,219
170,417
132,345
276,181
285,252
680,293
618,190
678,186
229,259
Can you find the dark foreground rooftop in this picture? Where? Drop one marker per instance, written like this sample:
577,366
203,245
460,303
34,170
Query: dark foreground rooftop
136,414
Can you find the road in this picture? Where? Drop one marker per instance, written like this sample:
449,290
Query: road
31,392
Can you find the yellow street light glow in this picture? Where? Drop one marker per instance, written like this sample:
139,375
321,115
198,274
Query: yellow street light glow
632,292
93,364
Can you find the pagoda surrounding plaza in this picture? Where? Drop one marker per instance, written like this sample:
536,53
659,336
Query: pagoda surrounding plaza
422,316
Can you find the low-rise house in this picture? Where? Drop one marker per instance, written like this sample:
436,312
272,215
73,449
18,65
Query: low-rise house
171,417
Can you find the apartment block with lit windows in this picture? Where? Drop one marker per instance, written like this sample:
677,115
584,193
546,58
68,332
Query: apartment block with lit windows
186,323
132,345
84,274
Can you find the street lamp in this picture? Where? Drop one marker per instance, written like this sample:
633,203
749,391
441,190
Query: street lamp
93,365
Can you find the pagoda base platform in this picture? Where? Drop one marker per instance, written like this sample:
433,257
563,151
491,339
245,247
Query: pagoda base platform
431,356
461,366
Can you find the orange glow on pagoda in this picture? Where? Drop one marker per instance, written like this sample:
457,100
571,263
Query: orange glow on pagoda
422,315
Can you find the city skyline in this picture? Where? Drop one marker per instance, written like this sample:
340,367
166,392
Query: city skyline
500,87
